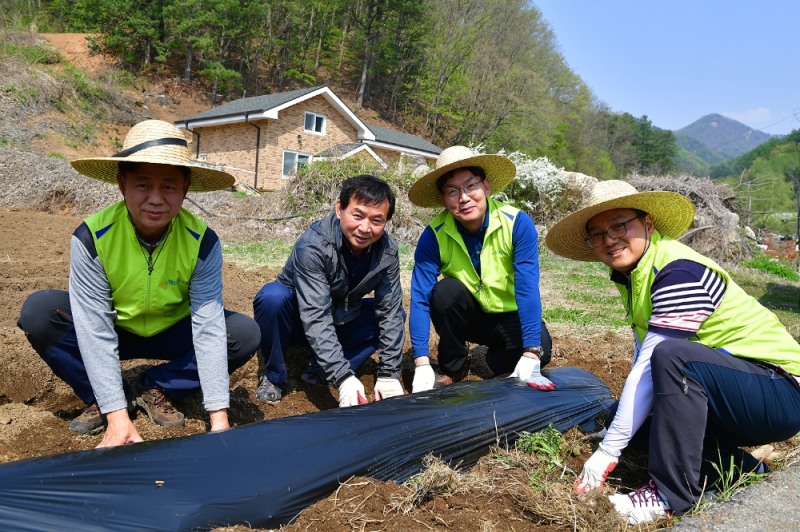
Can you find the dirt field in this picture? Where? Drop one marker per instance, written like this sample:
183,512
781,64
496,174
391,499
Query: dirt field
36,407
42,201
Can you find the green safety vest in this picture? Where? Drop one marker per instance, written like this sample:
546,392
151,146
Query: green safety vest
494,290
740,325
147,303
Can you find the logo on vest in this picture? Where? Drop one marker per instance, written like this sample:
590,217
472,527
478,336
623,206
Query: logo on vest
173,282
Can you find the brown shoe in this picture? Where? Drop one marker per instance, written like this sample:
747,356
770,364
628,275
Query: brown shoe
447,380
90,421
159,408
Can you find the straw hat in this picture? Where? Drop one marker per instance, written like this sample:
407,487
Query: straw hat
154,141
672,215
500,171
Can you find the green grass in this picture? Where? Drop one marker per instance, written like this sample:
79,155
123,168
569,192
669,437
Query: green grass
779,295
772,265
581,317
550,448
584,295
34,54
406,257
271,253
578,293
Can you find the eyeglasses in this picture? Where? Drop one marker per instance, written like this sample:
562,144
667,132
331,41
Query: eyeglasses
454,193
615,231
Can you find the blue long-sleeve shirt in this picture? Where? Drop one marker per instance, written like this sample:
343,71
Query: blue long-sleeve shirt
427,267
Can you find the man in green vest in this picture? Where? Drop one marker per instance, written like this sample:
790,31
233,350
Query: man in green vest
145,282
713,370
487,255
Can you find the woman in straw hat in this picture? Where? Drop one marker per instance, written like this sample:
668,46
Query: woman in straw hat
487,254
712,371
145,282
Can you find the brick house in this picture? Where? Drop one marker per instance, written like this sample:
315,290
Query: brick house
262,140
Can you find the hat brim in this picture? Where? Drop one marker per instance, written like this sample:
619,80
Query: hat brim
500,171
672,215
105,169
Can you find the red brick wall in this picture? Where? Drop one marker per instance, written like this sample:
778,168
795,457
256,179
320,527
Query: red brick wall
234,146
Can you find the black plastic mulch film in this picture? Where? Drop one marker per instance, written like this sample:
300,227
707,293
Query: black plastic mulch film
265,473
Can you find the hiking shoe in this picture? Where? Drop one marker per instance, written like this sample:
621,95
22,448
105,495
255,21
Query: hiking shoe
313,375
158,406
268,392
446,380
90,421
442,380
643,505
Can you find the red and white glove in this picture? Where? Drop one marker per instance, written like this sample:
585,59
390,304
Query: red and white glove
351,392
528,370
386,387
424,378
595,470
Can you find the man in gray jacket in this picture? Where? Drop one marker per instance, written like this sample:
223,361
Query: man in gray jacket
318,299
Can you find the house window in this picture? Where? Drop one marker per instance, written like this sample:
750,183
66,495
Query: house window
293,161
315,123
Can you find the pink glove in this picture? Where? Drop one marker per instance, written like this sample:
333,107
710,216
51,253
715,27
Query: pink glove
528,370
351,392
595,471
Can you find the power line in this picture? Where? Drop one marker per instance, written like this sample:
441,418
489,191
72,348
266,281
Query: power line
795,114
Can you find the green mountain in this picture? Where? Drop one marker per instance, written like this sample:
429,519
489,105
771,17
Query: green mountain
714,139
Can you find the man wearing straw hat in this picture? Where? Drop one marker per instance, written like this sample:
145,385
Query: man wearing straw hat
712,370
145,282
487,254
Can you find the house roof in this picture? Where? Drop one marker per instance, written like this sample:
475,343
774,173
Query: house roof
251,105
270,105
349,149
340,149
399,138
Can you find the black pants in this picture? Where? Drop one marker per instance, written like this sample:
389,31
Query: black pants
707,405
458,318
46,319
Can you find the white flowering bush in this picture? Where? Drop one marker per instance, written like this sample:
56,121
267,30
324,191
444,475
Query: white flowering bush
540,187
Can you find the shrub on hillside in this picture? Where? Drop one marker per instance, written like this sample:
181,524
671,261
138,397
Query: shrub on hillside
539,187
715,231
316,188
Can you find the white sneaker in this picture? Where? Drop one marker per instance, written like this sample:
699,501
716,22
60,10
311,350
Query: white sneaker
643,505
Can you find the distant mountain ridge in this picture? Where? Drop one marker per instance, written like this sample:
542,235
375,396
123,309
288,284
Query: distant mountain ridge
713,139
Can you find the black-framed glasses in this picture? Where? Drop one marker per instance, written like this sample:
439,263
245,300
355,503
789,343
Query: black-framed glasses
453,193
617,230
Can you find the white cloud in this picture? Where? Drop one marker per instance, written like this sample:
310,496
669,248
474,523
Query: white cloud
753,117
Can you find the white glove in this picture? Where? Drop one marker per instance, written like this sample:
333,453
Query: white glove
595,470
424,378
528,370
386,388
351,392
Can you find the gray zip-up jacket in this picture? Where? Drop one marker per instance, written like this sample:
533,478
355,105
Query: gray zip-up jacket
317,274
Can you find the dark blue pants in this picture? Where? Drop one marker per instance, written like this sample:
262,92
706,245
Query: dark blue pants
707,405
46,319
458,318
275,310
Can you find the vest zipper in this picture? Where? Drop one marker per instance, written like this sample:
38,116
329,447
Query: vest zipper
149,258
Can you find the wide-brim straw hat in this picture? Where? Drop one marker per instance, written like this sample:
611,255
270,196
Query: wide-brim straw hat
158,142
500,171
672,215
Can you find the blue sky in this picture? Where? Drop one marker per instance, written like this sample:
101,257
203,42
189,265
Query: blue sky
678,60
